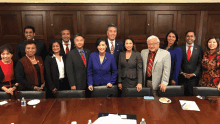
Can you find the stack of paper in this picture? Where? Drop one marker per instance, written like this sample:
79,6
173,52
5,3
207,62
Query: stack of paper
114,119
189,105
3,102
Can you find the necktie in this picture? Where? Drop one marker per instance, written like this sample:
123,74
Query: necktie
112,48
84,61
67,48
150,66
189,53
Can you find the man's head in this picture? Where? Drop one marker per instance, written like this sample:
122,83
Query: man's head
65,35
29,32
190,37
79,41
111,32
153,43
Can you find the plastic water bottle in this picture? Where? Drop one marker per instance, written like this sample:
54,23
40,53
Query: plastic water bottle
142,121
23,102
89,122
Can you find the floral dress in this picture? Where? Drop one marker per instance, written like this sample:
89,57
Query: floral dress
210,68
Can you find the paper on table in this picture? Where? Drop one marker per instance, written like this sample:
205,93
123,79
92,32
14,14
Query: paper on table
114,119
124,116
193,105
3,102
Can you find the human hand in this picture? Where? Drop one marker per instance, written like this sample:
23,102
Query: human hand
90,88
173,82
73,87
163,87
120,86
37,88
109,85
139,87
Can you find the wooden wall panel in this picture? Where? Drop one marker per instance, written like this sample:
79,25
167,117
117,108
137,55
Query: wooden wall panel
164,21
94,24
37,19
137,25
187,20
60,20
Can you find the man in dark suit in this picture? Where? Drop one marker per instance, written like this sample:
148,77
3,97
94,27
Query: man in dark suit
76,64
113,46
191,63
29,33
67,44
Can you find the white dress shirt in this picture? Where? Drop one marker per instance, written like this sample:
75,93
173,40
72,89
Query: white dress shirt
64,46
60,65
110,44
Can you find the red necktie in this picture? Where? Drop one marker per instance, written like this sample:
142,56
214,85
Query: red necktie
189,53
84,61
67,48
150,66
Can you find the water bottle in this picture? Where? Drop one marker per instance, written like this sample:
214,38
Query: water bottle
142,121
23,102
89,122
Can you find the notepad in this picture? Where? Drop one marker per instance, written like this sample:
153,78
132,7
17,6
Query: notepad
148,97
191,105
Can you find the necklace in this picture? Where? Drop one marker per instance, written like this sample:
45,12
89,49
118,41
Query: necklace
30,58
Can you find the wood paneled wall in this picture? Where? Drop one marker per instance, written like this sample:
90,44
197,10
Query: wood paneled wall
136,20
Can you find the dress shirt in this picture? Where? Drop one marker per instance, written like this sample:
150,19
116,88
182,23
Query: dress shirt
83,52
110,44
60,65
64,46
187,47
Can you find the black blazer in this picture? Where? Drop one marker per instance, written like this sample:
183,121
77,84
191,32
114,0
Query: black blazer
41,50
194,64
131,69
118,49
76,70
52,72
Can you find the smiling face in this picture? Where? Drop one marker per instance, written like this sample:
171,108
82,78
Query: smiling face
190,37
212,44
6,56
30,49
65,35
111,33
56,47
171,38
153,45
79,42
128,45
29,34
102,47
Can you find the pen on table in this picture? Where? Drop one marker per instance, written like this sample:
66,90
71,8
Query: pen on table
183,105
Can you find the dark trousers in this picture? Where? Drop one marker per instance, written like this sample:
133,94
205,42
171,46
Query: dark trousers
188,84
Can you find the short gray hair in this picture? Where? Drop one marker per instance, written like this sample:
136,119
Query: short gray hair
153,36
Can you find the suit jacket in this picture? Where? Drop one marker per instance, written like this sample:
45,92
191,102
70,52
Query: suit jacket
62,52
76,70
101,73
161,67
52,71
41,50
194,64
118,49
131,69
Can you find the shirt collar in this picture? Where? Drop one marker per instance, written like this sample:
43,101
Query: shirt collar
54,56
153,52
64,42
79,50
192,45
111,41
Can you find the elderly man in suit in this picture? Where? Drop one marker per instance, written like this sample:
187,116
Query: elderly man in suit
76,64
156,65
191,63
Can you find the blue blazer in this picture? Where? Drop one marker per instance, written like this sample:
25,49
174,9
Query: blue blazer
101,73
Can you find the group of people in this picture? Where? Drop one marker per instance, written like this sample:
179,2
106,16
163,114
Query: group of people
69,66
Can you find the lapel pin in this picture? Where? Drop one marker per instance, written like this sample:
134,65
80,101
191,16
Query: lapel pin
117,44
86,51
105,57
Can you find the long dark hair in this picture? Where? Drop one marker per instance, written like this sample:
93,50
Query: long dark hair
129,38
166,41
51,47
207,47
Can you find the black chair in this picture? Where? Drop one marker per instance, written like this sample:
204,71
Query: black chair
103,91
31,94
4,95
206,91
172,91
132,92
71,94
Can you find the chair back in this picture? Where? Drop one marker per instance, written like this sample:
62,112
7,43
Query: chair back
31,94
132,92
172,91
4,95
206,91
103,91
71,94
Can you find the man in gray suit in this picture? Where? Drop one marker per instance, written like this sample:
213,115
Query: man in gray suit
156,65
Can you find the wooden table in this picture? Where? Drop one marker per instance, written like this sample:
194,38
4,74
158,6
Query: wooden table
64,111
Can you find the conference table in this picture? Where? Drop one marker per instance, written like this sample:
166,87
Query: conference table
64,111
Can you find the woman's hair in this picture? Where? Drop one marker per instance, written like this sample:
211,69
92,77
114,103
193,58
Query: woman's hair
29,41
6,47
129,38
207,47
98,42
51,47
166,41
